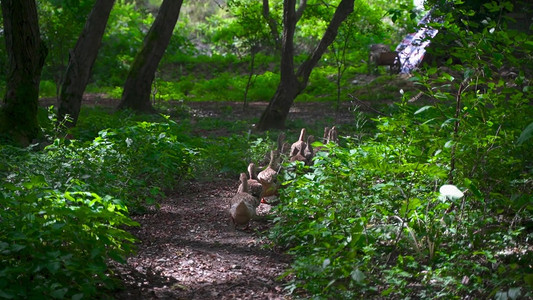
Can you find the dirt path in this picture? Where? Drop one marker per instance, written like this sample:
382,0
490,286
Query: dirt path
187,251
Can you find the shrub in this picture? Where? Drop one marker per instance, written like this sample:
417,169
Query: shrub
369,220
145,158
56,244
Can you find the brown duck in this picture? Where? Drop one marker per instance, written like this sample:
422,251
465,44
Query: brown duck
268,177
243,205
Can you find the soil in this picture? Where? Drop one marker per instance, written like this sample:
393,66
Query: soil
188,250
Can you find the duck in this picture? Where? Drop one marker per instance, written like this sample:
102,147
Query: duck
285,149
295,148
300,156
326,134
282,146
333,135
268,177
254,185
308,151
243,205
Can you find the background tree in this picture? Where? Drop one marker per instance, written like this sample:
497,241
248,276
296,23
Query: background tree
246,35
291,83
60,23
137,89
126,28
356,33
81,60
26,54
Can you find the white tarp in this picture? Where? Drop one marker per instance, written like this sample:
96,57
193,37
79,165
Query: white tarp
413,47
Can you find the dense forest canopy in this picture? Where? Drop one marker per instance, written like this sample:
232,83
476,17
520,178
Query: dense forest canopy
413,185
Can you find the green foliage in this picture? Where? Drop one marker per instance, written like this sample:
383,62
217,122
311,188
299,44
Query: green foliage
47,89
228,149
56,243
224,87
60,23
374,219
124,35
264,86
145,157
244,32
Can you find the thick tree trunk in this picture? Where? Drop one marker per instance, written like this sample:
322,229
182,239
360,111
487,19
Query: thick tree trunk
278,108
26,54
136,94
81,61
291,83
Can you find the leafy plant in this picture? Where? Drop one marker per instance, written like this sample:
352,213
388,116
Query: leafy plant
375,219
57,244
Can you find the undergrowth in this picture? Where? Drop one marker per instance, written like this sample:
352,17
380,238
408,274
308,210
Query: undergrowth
372,218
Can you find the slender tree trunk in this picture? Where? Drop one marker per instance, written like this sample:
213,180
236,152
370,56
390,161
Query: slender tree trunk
136,94
253,52
26,53
81,61
292,84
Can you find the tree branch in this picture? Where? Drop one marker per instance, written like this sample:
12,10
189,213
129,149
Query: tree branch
301,8
272,24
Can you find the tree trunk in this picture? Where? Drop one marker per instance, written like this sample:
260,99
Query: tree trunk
81,61
136,94
253,52
292,84
26,53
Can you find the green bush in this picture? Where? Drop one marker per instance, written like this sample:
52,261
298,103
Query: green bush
264,86
47,89
145,157
223,87
56,244
369,219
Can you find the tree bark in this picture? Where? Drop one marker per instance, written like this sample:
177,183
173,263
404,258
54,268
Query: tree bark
291,83
136,94
26,53
81,61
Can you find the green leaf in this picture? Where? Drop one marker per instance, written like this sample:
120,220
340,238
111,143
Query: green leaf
514,293
358,276
78,296
449,121
448,144
6,295
35,181
526,134
59,293
388,291
326,263
17,247
422,109
473,188
528,278
53,267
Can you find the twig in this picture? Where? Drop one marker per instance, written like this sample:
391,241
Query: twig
368,106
